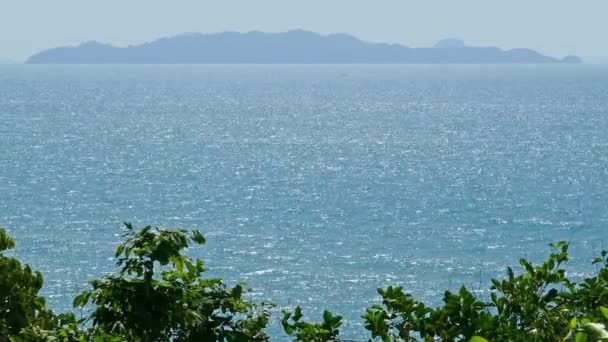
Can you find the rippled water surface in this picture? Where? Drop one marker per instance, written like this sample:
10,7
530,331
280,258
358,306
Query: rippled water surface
314,184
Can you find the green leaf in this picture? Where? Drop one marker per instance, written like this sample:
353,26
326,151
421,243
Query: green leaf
198,237
596,330
478,339
573,323
237,292
604,311
5,241
580,337
119,250
298,314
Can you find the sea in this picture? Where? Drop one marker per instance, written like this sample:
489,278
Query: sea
314,184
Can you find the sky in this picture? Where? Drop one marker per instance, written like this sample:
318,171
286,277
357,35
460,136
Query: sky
553,27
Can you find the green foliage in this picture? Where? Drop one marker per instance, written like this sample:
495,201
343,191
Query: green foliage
328,330
64,329
20,305
540,304
159,295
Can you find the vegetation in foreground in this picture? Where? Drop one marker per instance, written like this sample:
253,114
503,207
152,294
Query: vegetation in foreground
159,294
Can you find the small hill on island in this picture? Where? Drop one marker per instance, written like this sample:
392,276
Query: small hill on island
297,47
450,43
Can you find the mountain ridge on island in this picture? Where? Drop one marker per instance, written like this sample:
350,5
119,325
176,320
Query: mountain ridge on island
292,47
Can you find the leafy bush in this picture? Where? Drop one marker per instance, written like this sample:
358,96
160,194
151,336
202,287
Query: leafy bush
540,304
159,294
328,330
143,303
20,304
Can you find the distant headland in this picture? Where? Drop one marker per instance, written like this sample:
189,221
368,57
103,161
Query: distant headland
297,47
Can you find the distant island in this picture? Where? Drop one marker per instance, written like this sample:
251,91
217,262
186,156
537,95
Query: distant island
298,46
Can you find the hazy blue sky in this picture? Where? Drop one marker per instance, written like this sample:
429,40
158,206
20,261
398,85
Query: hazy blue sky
554,27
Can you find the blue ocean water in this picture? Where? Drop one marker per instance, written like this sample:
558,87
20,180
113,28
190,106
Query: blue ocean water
314,184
